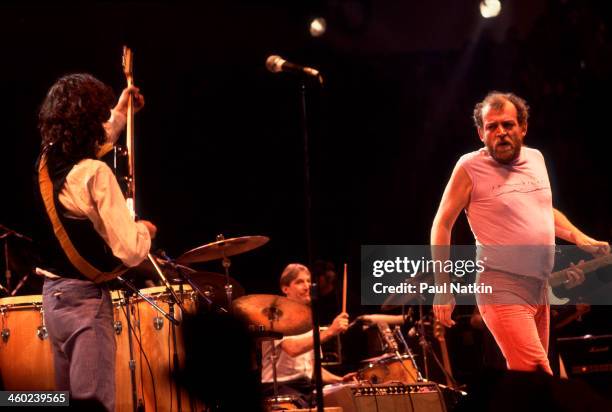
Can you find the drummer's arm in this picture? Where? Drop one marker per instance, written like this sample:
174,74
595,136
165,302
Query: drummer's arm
329,377
295,346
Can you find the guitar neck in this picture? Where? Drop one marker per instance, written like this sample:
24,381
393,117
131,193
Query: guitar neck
557,278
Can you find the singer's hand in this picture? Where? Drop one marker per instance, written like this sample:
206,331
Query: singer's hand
443,306
122,103
150,227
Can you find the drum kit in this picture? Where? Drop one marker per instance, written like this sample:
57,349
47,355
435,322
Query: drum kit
149,349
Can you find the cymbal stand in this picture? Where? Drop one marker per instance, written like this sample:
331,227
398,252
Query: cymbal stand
226,265
272,317
7,268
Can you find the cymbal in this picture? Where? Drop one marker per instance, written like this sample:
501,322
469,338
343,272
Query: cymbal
274,313
213,286
222,248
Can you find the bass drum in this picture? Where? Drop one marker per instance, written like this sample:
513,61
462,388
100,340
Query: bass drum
26,360
388,369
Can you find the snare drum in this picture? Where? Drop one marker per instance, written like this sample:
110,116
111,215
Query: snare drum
26,360
390,369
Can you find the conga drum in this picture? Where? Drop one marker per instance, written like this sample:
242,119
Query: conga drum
26,360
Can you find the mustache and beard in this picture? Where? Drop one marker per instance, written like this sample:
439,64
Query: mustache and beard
506,148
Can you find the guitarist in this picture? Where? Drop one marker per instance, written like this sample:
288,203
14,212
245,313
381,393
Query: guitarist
87,232
505,191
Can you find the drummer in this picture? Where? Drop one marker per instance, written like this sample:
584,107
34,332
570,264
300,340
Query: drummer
295,354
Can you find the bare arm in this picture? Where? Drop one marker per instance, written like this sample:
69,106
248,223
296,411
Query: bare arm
329,377
455,198
296,346
564,229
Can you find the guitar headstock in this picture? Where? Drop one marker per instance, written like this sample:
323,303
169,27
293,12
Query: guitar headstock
127,62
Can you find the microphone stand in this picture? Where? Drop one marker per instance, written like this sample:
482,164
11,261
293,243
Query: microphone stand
314,287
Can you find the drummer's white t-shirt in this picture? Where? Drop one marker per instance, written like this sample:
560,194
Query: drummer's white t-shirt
288,368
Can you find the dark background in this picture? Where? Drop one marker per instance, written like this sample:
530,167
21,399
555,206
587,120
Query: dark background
219,144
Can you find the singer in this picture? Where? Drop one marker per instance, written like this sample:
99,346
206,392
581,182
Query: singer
505,191
81,194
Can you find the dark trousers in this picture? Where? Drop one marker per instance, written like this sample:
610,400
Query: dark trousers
79,319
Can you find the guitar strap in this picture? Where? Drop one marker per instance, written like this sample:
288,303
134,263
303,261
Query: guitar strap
82,265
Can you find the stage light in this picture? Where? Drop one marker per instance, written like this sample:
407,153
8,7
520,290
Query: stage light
318,27
490,8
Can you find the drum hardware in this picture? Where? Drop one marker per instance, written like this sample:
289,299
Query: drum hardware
262,335
7,266
222,249
42,333
6,332
130,286
400,336
186,274
158,322
118,327
393,347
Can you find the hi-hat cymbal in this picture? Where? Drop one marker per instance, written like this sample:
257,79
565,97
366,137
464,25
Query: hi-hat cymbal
222,248
274,313
213,286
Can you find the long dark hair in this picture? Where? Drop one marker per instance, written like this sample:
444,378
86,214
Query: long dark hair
72,115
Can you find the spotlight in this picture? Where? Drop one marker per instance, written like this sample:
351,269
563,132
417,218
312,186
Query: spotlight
490,8
318,27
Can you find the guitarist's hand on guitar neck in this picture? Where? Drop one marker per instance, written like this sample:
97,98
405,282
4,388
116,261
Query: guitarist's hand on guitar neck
574,275
122,103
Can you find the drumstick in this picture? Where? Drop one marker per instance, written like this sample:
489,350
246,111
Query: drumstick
344,291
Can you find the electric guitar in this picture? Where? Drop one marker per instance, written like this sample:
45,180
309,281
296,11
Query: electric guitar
560,277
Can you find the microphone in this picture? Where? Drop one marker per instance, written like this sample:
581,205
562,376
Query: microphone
277,64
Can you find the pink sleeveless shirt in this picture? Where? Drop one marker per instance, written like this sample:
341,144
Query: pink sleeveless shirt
512,205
